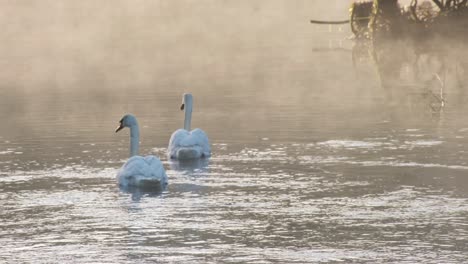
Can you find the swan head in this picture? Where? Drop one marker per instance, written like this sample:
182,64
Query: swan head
186,100
127,120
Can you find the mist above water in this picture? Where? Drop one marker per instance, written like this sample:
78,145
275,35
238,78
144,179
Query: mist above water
72,44
251,64
323,150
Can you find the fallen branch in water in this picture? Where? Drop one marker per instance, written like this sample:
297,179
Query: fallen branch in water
329,22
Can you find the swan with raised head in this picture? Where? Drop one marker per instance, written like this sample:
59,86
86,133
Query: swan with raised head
185,144
138,171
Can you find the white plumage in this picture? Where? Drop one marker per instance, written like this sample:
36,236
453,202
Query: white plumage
189,145
185,144
146,172
138,171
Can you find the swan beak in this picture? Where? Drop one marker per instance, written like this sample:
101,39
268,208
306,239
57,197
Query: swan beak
182,107
119,128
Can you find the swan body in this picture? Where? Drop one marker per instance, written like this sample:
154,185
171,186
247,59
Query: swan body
189,145
146,172
138,171
185,144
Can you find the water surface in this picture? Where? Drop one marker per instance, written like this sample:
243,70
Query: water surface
314,160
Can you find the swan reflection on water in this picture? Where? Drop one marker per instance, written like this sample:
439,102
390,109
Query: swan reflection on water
136,193
192,165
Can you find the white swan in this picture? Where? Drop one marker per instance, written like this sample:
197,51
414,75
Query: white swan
185,144
138,171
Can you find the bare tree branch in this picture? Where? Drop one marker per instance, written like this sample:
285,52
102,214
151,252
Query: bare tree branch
439,4
448,3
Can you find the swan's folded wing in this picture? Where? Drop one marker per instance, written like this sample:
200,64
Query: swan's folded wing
178,136
134,166
201,139
194,141
156,168
139,169
176,141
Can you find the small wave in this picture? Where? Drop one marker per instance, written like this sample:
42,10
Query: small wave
351,144
406,164
253,154
384,162
10,151
357,144
159,150
424,143
322,159
69,172
416,135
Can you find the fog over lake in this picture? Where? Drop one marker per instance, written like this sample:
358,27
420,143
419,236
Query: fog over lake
320,152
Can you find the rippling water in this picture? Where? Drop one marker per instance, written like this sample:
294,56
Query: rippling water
312,163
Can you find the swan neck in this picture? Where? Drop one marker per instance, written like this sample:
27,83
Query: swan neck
134,140
188,115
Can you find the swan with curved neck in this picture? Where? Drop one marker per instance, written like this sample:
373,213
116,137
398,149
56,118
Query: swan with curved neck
185,144
138,171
